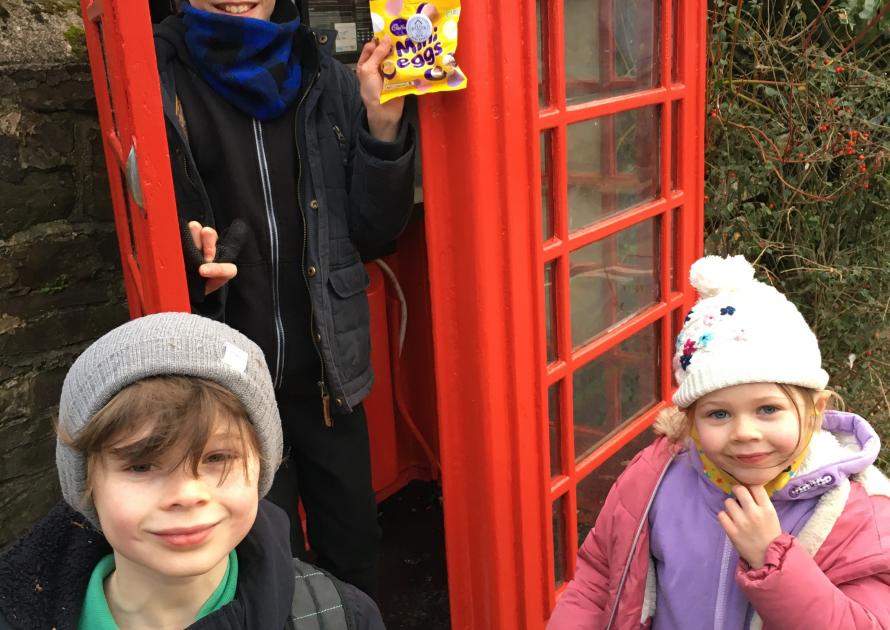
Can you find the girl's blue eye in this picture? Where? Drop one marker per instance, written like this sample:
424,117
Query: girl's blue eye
768,409
719,414
140,468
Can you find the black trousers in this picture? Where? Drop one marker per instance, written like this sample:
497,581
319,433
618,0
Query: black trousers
329,468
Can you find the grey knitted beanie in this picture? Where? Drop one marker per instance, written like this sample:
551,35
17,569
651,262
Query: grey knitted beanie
165,344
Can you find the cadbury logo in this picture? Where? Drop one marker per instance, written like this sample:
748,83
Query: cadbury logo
812,485
399,27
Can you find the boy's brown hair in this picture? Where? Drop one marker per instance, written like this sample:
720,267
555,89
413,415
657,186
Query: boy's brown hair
181,413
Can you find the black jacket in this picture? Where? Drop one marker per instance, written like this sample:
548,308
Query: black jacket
44,577
318,193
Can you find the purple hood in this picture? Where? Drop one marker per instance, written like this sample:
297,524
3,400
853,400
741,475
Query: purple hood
846,445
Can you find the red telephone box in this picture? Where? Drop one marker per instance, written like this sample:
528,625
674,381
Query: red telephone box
562,197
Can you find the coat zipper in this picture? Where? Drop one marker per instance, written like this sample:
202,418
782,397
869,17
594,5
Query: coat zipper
341,140
322,386
723,588
636,540
272,222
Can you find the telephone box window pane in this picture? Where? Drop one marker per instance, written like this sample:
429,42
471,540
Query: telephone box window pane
592,490
559,541
615,388
546,184
675,249
541,20
554,424
613,164
611,47
675,40
613,279
676,134
549,314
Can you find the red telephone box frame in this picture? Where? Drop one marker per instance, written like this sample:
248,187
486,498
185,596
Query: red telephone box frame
486,256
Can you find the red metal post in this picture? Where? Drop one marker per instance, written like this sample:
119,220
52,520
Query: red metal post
483,227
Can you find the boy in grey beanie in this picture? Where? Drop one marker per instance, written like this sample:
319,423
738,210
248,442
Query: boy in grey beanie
168,438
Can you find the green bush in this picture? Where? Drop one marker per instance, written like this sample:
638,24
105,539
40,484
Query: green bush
798,173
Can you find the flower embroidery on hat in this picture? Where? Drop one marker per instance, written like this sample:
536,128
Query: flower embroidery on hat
704,340
689,349
727,310
709,319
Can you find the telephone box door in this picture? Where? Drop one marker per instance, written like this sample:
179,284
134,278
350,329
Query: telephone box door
563,196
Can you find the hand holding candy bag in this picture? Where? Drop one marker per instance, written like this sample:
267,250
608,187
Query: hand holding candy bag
424,37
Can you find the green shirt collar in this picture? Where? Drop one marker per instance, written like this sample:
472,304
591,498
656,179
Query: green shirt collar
97,616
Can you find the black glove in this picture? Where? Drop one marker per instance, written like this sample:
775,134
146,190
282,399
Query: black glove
227,249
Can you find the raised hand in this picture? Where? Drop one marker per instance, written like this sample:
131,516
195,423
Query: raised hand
217,273
751,522
383,120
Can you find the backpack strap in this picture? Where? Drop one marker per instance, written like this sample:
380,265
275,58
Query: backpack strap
317,604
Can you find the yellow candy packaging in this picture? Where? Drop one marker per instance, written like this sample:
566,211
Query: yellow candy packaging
424,37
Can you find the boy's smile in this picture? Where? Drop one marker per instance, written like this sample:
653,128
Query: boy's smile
185,536
257,9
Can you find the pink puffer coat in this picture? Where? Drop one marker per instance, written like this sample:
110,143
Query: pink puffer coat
835,574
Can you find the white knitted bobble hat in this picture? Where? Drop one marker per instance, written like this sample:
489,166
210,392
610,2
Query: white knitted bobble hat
741,331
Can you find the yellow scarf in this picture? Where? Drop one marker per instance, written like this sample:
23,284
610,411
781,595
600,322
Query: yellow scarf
725,481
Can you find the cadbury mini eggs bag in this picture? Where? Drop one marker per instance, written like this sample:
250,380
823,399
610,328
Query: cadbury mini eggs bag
424,36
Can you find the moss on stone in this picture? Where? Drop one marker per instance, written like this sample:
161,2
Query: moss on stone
76,38
57,7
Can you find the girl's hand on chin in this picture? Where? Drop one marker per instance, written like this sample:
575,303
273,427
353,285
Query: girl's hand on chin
751,522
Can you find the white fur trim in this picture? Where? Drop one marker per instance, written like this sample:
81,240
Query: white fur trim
649,593
756,622
874,482
828,510
828,448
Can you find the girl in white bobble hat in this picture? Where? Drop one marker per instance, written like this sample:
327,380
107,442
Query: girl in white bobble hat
757,507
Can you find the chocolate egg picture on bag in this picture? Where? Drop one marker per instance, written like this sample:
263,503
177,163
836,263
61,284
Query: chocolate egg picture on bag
424,36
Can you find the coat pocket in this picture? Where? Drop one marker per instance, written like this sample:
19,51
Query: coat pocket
351,315
349,305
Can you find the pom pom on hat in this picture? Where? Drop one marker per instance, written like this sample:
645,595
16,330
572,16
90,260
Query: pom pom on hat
741,331
712,275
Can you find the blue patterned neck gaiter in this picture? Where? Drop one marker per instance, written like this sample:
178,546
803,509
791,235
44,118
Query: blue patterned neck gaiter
253,64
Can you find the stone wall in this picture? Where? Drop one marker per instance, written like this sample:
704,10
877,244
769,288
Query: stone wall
60,282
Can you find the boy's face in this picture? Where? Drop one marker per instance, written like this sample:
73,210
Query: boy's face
751,431
257,9
159,517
